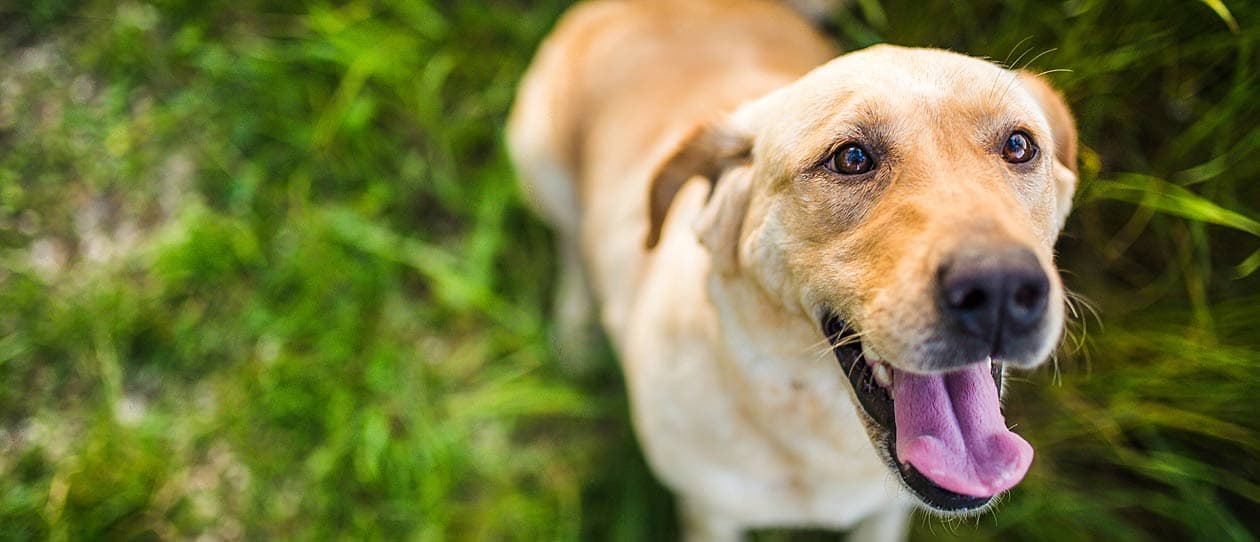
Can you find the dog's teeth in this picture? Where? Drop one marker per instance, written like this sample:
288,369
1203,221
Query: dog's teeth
872,358
883,375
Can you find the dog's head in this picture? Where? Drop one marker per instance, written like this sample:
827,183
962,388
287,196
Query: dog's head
906,201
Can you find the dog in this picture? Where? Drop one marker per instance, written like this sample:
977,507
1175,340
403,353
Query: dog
814,269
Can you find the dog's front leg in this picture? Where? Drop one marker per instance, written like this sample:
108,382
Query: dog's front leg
703,524
576,329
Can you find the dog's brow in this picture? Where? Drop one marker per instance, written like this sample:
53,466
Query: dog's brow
865,122
811,151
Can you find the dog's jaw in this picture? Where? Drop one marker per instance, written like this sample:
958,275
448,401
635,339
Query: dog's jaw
876,405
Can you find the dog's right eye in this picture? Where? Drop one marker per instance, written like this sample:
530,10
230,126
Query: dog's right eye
851,159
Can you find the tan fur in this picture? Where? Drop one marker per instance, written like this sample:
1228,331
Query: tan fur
701,121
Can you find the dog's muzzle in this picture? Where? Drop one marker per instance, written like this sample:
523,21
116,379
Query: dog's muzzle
943,433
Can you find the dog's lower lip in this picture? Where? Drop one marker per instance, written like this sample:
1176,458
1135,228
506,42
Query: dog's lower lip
877,404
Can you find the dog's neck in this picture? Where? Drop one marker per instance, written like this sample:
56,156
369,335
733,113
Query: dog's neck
783,366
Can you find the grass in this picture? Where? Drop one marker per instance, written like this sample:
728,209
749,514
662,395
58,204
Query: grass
265,273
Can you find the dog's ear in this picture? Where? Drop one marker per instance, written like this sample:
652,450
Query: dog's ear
1063,129
720,222
707,151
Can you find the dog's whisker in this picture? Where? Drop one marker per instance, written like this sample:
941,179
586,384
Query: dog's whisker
1006,64
856,337
1070,302
993,509
849,373
1026,64
823,345
1006,61
1058,376
1010,85
1020,57
1055,70
1014,79
849,338
1084,303
1076,335
1072,307
1039,55
827,344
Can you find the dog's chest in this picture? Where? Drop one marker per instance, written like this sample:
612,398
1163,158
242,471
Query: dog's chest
756,421
743,409
767,448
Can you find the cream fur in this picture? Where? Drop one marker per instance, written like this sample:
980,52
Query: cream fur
737,400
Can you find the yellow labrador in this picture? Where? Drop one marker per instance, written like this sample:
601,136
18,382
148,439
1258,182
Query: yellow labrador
814,269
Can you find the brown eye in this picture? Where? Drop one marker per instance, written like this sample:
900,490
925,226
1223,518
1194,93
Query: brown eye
851,159
1019,148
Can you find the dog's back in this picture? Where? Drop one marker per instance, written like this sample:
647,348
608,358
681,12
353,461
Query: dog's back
612,91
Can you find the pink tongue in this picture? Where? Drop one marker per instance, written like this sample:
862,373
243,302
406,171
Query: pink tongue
950,427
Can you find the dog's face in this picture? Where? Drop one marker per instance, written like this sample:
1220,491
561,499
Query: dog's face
907,201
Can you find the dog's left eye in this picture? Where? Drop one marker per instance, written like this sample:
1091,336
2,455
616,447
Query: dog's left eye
851,159
1019,148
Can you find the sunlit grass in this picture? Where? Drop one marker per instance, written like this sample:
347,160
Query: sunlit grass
264,273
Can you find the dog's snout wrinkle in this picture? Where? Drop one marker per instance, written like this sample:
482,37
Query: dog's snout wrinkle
993,294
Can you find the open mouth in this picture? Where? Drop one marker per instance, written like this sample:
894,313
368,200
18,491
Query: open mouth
944,434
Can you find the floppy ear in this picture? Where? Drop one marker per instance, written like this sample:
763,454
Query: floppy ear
1063,130
720,222
706,152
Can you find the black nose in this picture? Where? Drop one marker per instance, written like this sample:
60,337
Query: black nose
988,292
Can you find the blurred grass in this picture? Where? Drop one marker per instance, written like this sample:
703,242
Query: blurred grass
264,273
